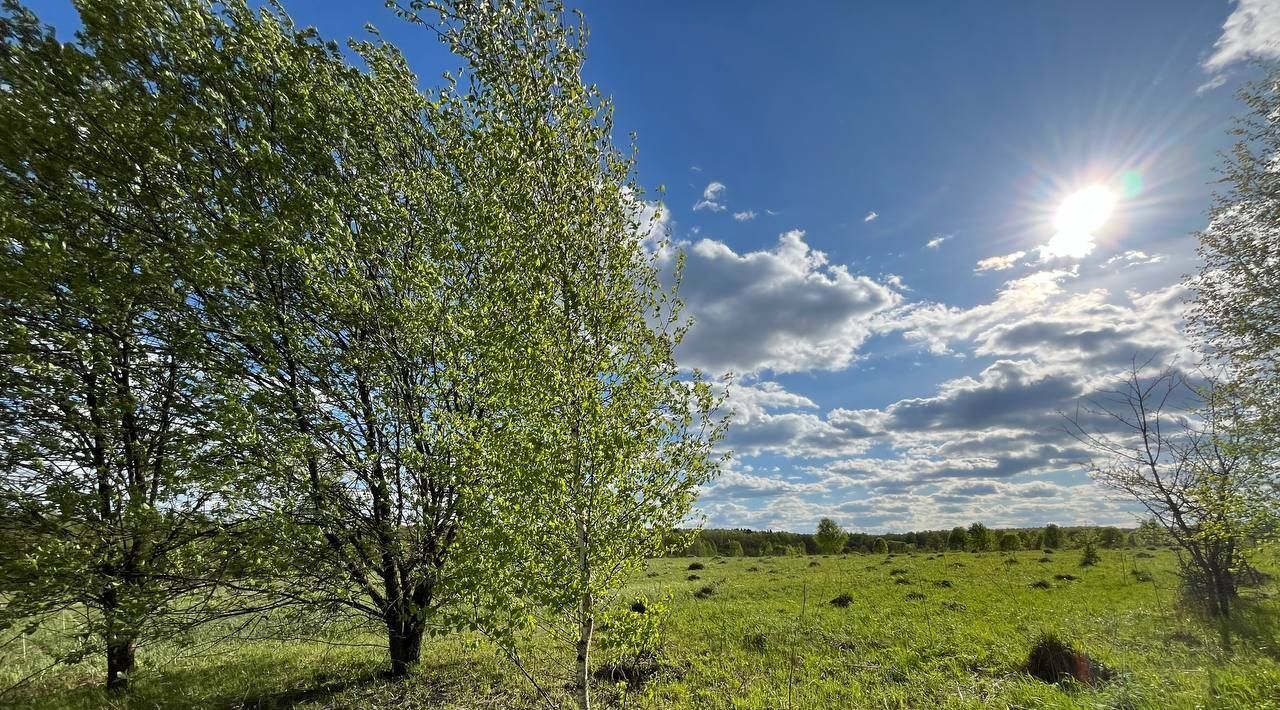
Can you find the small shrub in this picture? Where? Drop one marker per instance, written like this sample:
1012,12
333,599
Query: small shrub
753,568
896,571
1040,584
813,564
1048,551
706,591
1009,562
1065,577
755,641
901,580
696,565
631,641
842,601
915,597
1090,556
951,605
693,578
944,583
1142,575
1045,559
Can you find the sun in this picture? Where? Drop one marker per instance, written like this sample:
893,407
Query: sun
1079,216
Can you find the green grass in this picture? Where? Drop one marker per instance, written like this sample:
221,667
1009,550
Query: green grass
770,638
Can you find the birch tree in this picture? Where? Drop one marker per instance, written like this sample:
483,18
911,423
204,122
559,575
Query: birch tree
613,439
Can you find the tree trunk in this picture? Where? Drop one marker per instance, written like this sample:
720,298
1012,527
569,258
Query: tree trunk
404,641
1224,590
120,657
586,627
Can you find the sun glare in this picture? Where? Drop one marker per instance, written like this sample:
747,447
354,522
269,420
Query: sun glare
1080,215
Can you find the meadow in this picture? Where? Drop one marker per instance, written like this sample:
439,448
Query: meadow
918,630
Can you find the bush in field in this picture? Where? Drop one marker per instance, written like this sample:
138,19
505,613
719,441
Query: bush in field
880,547
842,600
979,538
830,537
632,639
695,566
1052,536
1089,556
1010,542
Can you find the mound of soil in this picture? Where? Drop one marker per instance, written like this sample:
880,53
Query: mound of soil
635,672
1053,661
842,601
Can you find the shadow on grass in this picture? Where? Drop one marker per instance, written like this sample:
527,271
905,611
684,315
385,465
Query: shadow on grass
320,693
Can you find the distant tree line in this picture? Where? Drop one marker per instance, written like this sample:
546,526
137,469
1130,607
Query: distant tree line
742,542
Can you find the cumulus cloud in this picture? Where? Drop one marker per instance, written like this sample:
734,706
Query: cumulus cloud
990,446
1251,31
785,309
937,241
871,216
999,263
1132,258
711,198
769,419
744,216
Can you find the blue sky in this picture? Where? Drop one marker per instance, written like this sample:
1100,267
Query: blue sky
865,192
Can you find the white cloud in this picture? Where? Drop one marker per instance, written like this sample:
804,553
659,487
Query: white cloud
987,446
695,168
769,419
871,216
772,213
1251,31
999,263
937,241
711,198
746,216
785,309
1132,258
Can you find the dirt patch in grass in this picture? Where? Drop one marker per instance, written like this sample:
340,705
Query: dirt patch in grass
1054,661
842,601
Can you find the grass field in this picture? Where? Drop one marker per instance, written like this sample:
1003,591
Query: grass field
954,634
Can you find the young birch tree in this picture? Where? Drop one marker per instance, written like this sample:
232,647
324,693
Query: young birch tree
1235,311
614,439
